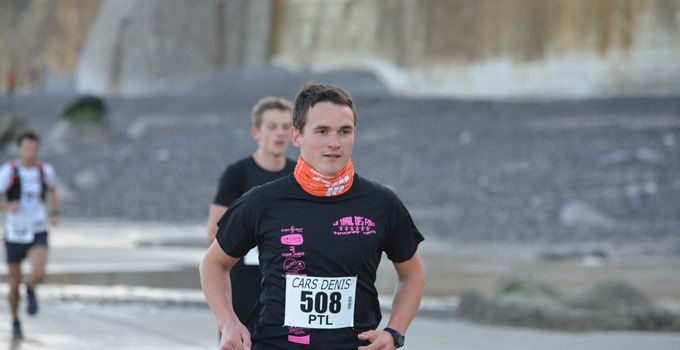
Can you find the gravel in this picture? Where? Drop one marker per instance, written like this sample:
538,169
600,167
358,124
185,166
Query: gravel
468,170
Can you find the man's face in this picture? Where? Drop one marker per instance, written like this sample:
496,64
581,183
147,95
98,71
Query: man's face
28,151
327,139
273,135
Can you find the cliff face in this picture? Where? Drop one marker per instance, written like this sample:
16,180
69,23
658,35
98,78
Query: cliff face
482,48
43,33
147,46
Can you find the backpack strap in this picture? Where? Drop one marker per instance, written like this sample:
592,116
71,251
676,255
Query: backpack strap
43,181
13,193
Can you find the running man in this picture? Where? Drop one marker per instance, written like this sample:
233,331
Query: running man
27,184
320,232
271,121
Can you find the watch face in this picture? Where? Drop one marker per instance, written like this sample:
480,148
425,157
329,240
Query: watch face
400,341
398,337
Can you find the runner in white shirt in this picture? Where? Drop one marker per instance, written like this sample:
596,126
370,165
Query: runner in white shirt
27,184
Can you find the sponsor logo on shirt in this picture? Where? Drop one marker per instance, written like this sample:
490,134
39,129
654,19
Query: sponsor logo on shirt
354,225
294,264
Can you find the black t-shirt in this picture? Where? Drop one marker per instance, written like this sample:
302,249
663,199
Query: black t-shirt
243,175
236,180
342,236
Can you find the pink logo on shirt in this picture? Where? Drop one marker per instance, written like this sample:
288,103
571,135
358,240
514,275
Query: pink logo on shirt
292,239
354,225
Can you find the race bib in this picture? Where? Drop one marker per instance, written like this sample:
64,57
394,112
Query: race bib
19,231
320,302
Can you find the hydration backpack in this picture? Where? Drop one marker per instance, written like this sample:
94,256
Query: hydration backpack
13,193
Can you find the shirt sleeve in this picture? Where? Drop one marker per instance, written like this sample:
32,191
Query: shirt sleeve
49,175
5,177
235,231
403,237
230,186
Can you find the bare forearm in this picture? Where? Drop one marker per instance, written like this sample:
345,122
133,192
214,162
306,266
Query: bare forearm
216,286
406,302
54,203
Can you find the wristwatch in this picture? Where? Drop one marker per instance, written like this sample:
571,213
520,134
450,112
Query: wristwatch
398,337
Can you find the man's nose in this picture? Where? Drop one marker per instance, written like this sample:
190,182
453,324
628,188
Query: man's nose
334,141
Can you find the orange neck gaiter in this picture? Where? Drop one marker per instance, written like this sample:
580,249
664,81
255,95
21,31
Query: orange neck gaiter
321,185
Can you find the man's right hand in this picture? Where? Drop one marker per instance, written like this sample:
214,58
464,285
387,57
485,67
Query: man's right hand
235,336
12,207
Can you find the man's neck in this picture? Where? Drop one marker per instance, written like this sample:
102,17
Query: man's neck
268,161
27,163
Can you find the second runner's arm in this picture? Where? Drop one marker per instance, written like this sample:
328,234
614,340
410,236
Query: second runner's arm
214,216
54,206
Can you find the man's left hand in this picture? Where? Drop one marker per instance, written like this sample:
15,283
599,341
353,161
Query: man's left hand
380,340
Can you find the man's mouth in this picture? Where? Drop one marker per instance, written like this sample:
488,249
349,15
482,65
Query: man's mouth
333,156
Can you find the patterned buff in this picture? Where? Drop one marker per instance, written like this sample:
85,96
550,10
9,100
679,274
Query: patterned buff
321,185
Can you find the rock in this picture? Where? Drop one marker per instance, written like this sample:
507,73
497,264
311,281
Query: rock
587,257
608,305
83,121
668,140
581,214
163,155
526,288
625,303
10,128
86,180
149,124
649,156
465,137
64,137
86,110
650,187
144,125
529,312
614,158
613,296
642,155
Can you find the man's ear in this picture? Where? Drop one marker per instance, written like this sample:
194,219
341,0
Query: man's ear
255,132
295,136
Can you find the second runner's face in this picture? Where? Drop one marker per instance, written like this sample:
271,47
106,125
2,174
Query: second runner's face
28,151
327,139
273,135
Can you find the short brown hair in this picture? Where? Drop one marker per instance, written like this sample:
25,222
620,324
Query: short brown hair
267,103
28,136
311,94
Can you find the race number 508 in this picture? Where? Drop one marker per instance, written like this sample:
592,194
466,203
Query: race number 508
321,302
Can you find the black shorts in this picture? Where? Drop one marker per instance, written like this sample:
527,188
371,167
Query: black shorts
16,252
